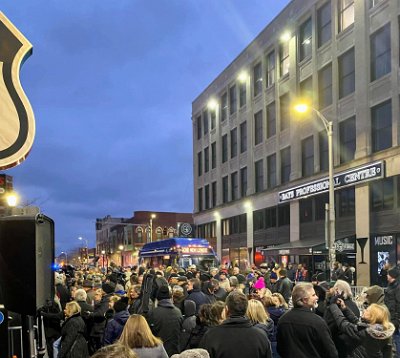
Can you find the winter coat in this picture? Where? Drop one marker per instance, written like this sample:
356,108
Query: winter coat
284,287
268,328
98,317
165,322
235,336
198,297
153,352
302,333
188,323
368,341
342,341
346,275
115,326
392,301
73,342
63,294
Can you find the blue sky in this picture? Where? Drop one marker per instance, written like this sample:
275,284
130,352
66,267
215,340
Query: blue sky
111,84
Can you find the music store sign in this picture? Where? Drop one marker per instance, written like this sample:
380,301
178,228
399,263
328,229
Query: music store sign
350,177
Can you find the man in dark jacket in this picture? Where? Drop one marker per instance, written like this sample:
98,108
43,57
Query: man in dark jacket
236,336
115,326
165,321
392,301
284,286
195,293
301,333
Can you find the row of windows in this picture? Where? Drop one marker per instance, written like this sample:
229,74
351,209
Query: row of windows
380,65
271,217
234,225
207,231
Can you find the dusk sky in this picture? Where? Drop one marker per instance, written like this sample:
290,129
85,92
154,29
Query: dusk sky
111,84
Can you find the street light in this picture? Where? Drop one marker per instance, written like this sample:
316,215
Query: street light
302,108
121,248
80,238
152,216
102,253
66,256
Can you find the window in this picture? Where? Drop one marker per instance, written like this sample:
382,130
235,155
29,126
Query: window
242,95
270,69
283,214
214,194
271,171
270,217
345,202
225,189
285,111
346,14
224,107
381,127
224,148
347,137
213,155
285,165
323,151
199,164
305,38
205,122
307,154
325,86
346,73
259,176
306,212
306,89
198,121
206,160
243,182
271,120
139,232
200,198
243,137
258,128
234,186
213,117
382,194
284,58
257,77
320,201
380,53
207,197
373,3
324,27
232,100
258,220
233,142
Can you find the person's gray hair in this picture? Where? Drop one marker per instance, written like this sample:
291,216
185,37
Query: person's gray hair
301,291
80,295
343,286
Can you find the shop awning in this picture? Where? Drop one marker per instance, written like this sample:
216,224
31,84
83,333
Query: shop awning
298,244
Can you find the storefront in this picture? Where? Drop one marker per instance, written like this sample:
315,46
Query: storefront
384,248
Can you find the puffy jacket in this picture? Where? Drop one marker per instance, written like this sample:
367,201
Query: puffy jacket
73,342
115,326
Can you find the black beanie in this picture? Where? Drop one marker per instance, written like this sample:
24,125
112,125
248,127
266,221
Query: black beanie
121,305
394,272
163,293
108,287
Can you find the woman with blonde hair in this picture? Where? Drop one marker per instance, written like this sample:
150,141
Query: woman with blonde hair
281,300
73,343
369,339
138,336
259,317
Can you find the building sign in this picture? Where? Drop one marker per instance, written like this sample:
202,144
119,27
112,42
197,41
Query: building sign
347,244
17,121
383,251
351,177
195,250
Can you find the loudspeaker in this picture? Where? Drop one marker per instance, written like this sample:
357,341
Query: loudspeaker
26,262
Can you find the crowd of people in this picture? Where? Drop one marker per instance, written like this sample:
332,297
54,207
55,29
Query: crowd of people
270,311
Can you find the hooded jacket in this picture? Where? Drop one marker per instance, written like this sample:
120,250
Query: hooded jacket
115,326
369,341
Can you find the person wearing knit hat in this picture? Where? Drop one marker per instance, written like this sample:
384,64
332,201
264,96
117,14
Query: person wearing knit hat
192,353
108,287
163,293
115,326
374,294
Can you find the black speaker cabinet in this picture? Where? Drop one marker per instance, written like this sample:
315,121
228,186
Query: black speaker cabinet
26,262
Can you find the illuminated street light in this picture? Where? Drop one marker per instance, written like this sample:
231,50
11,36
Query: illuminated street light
242,78
285,36
152,216
212,104
12,199
303,108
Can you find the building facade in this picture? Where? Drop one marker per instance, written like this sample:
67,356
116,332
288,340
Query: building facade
119,240
260,169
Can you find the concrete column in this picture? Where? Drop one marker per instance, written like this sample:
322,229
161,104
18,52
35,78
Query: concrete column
219,237
362,231
250,236
294,220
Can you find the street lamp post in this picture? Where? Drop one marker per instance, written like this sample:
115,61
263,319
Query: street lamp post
102,253
80,238
332,220
66,256
152,216
121,248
